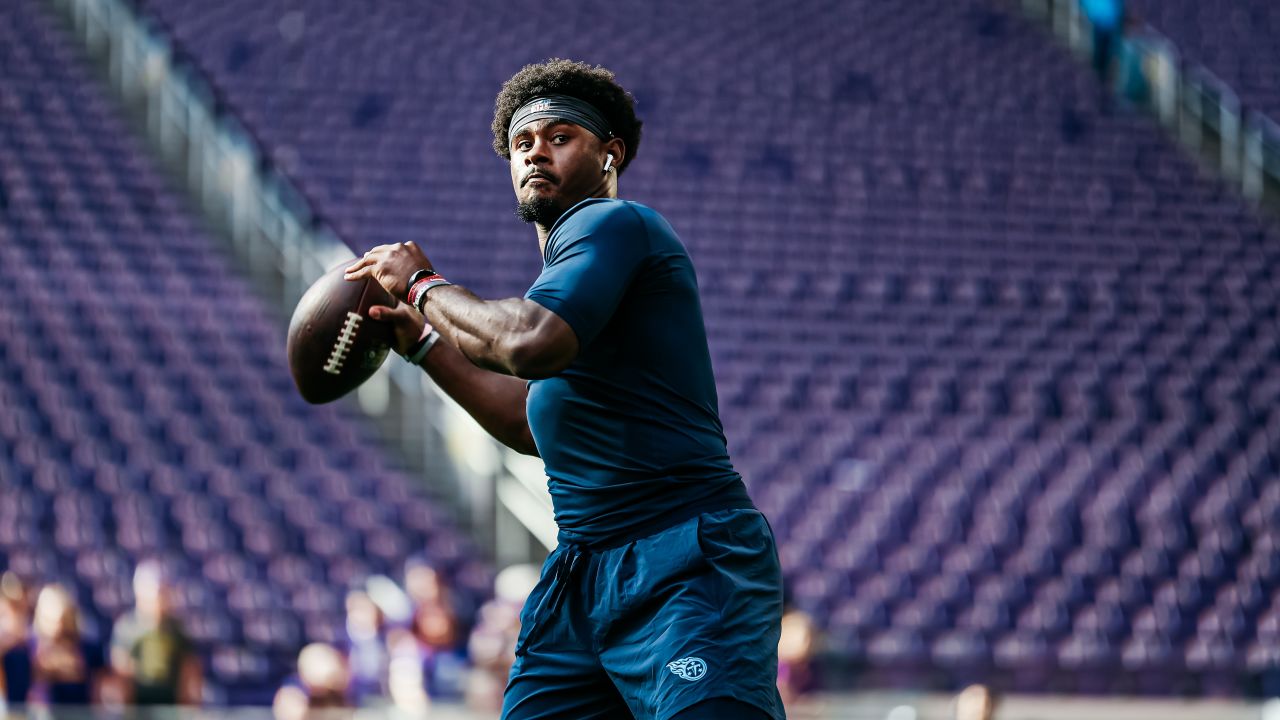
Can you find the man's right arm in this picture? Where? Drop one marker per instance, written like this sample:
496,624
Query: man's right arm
496,401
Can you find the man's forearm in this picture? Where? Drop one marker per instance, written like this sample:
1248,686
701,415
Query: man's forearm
513,337
497,402
484,331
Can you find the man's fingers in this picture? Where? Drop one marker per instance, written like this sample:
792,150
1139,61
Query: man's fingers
382,312
391,314
357,273
369,258
359,263
367,261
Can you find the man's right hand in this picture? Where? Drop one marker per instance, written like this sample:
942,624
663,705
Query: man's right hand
407,321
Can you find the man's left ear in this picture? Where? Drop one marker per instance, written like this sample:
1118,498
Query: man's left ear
616,149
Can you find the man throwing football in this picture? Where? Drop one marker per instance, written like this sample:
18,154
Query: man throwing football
663,597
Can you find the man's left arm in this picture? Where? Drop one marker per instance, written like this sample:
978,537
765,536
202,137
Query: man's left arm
514,336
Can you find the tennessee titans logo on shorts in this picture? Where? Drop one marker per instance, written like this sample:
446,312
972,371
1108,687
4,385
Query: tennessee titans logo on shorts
690,668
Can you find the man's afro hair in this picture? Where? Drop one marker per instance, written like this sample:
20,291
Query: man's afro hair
595,85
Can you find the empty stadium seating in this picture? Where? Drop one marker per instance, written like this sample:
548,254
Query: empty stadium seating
1000,368
147,409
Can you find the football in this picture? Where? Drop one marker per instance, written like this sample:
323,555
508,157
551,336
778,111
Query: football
334,345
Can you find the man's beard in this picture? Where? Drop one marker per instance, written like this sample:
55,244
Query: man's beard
540,210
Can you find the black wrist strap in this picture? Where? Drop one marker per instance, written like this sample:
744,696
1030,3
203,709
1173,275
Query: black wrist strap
418,275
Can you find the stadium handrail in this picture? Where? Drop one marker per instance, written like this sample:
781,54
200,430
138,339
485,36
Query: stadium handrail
1211,103
1261,155
1190,101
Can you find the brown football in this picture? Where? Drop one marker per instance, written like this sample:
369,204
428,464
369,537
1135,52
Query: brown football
334,345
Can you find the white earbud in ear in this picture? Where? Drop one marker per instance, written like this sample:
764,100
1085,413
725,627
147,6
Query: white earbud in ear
608,162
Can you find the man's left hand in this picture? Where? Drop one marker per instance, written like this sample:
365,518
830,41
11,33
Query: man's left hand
391,266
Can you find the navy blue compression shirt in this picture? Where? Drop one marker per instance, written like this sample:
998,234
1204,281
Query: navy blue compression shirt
630,432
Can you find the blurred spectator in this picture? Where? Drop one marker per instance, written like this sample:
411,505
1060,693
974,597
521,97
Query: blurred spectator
1107,18
976,702
438,650
15,651
149,648
366,647
492,645
65,666
796,647
322,688
421,581
426,660
407,678
428,588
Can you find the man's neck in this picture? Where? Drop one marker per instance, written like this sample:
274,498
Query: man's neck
607,191
544,232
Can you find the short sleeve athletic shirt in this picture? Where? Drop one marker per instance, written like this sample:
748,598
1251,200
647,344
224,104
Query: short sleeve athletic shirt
630,432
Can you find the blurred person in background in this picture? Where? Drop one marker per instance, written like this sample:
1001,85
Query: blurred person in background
406,676
492,646
436,629
321,688
426,660
366,646
422,582
149,648
440,651
976,702
66,668
796,647
15,636
429,591
1107,19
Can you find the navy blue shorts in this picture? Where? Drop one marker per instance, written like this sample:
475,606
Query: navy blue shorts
650,627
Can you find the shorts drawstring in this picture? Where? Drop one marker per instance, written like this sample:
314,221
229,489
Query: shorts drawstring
563,570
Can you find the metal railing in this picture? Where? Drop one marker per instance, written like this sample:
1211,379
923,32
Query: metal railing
1261,167
1203,112
1211,108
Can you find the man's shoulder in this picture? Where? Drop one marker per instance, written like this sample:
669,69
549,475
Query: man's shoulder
615,213
613,218
605,219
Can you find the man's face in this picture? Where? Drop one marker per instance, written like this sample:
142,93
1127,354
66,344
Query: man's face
554,165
